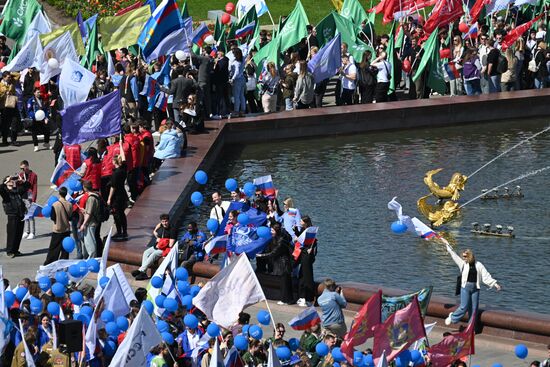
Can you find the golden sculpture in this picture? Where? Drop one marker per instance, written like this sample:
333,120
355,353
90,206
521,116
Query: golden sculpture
437,214
451,191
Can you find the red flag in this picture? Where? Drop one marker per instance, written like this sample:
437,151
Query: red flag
453,347
399,331
445,12
364,323
131,7
516,33
477,8
378,8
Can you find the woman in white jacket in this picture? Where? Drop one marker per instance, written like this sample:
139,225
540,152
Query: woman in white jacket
473,274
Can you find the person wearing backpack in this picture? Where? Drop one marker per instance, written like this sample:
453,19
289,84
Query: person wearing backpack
367,79
471,72
492,71
91,220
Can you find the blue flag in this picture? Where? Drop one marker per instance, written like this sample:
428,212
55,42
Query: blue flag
165,20
81,26
88,25
245,239
257,217
327,61
94,119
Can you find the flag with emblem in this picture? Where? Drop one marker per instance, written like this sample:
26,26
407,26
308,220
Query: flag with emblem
39,25
165,20
352,10
391,304
294,29
62,49
243,6
399,331
17,16
453,347
29,56
363,325
75,83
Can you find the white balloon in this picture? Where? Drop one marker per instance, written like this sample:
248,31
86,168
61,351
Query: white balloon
53,63
210,40
39,115
180,55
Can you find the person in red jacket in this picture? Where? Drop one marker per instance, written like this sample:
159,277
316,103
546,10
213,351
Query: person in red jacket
27,175
91,169
148,143
73,155
133,140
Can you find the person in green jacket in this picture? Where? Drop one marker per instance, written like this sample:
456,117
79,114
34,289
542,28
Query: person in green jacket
310,338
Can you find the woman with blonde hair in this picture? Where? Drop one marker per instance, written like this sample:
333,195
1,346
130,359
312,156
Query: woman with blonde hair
508,78
473,273
269,83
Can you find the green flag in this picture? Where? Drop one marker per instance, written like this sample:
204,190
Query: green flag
222,46
358,48
184,11
18,15
345,28
294,29
352,10
431,60
269,52
232,30
123,30
326,29
250,17
217,29
390,57
92,48
73,29
428,49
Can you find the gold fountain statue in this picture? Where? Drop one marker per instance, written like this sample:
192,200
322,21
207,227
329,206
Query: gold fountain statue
439,214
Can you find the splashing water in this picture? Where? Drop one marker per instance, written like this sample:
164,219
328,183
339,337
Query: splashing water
521,177
508,150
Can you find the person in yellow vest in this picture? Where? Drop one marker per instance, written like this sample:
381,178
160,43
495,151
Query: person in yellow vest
19,358
50,357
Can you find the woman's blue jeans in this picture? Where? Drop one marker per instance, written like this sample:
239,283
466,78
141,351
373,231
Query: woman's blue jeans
469,302
239,86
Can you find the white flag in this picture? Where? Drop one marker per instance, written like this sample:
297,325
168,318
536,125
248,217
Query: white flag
382,361
110,65
103,263
243,6
496,6
170,262
141,337
5,329
272,359
229,292
127,292
114,298
3,308
28,355
91,336
39,25
29,56
62,48
75,82
217,359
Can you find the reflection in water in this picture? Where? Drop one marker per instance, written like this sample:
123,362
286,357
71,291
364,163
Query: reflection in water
345,183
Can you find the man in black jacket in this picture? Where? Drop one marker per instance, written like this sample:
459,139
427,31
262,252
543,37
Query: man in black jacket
12,191
204,63
220,81
180,88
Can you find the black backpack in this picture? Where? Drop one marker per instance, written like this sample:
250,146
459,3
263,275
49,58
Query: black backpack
104,212
366,77
502,65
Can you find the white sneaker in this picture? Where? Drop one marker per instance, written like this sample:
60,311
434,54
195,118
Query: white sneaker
301,302
36,149
449,320
25,234
281,303
30,236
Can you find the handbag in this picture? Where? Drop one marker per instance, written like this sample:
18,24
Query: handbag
11,101
458,283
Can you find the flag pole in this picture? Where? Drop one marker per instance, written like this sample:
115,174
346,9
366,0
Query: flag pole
270,17
271,314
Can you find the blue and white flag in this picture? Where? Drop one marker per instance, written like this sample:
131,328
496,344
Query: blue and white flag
91,120
497,5
327,61
75,83
245,239
34,210
413,224
39,25
62,48
175,41
257,217
29,56
169,263
523,2
243,6
5,329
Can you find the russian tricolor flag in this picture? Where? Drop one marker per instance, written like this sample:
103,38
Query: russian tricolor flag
246,30
164,20
233,359
216,246
306,319
200,34
34,210
307,238
423,230
451,71
472,32
61,173
265,183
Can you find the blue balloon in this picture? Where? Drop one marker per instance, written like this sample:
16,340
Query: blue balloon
337,354
283,353
77,298
403,359
58,289
47,211
264,232
82,267
264,317
168,338
103,281
358,358
68,244
107,316
369,362
162,326
52,199
9,298
249,189
159,300
212,225
109,348
416,357
44,283
213,330
74,271
187,301
157,282
170,304
122,323
255,332
521,351
111,328
321,349
231,184
62,277
183,287
36,306
194,290
243,219
398,227
87,310
191,321
294,344
53,308
149,307
182,274
197,198
85,319
497,365
201,177
245,329
240,342
93,265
